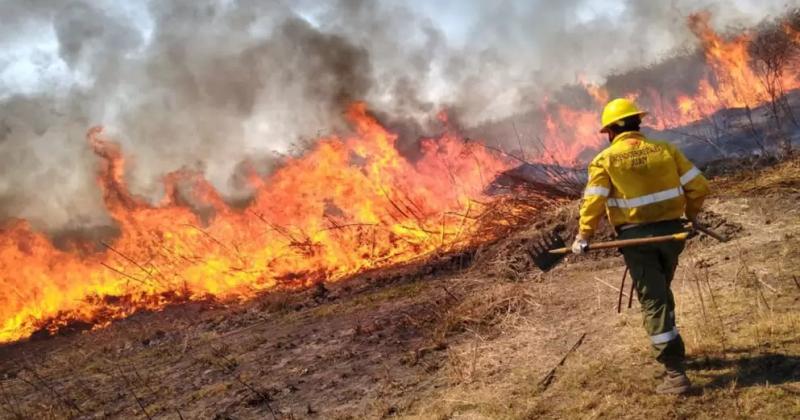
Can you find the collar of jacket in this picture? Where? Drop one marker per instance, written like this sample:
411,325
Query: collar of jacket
627,135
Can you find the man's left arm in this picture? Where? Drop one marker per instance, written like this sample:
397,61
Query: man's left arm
695,185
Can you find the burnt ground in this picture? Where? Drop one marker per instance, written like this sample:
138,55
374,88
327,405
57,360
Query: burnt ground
449,343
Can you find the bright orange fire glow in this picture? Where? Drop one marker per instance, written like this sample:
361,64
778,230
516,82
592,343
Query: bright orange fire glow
581,134
347,205
729,82
793,33
737,85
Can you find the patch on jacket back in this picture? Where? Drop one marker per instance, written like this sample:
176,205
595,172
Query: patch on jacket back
636,154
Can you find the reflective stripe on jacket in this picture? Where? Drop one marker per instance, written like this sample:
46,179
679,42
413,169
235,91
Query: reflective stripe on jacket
637,180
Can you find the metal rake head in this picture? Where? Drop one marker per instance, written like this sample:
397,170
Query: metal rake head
539,251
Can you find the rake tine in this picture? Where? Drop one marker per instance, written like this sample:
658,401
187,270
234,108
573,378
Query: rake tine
539,250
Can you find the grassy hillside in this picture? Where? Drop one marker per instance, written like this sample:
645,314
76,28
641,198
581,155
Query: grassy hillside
469,345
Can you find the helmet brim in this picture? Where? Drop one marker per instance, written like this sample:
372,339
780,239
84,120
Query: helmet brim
640,113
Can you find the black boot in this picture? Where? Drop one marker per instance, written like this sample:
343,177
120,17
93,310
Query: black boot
675,380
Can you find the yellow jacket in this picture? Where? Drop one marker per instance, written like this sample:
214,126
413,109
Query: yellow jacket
637,180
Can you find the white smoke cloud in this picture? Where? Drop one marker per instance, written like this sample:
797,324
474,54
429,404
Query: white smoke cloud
209,83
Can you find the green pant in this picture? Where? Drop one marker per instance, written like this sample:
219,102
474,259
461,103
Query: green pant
652,268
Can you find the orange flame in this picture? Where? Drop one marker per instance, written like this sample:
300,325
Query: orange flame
794,34
347,205
729,82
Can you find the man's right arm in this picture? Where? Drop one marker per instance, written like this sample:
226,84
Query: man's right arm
593,207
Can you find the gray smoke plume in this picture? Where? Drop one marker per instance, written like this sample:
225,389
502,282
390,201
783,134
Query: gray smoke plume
209,84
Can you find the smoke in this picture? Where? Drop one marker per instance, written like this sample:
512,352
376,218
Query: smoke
210,84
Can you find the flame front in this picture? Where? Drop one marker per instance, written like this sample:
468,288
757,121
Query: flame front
729,82
345,206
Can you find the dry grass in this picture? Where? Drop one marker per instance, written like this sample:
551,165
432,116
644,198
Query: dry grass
737,311
470,346
490,311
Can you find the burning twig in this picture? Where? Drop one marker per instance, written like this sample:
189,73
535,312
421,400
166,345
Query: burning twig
128,276
193,260
131,260
235,253
461,225
558,171
419,229
519,140
277,229
477,164
410,206
349,225
396,207
449,169
441,236
414,207
416,218
372,246
503,152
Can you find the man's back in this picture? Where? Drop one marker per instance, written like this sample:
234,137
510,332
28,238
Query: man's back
642,181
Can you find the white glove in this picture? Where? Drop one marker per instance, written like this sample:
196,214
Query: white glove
579,246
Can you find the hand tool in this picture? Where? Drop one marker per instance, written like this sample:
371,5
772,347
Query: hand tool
546,258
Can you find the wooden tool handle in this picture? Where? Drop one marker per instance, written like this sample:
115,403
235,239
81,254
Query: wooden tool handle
627,242
711,233
706,230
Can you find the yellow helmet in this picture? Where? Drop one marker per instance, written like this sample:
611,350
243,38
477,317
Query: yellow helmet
617,110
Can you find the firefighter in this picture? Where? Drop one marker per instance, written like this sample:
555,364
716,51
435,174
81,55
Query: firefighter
645,187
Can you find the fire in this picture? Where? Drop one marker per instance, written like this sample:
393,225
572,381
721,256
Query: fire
582,135
348,205
793,33
734,83
729,82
